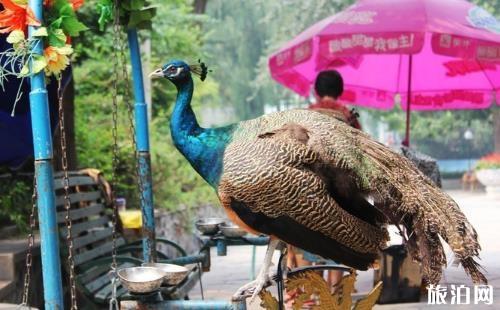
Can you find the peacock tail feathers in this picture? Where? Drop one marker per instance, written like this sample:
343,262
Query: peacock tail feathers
404,195
408,197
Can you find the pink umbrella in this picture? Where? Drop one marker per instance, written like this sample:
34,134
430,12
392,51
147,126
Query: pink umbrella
437,54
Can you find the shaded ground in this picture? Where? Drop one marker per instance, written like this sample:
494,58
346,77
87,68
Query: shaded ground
230,272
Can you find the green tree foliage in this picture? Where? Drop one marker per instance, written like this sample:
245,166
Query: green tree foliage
242,34
15,201
176,35
235,42
284,20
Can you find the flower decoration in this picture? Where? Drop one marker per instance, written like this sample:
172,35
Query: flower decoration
61,24
57,58
16,15
76,4
16,37
490,161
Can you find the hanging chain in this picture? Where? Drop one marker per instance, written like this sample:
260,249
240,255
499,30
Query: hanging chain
119,60
67,200
130,115
113,302
31,242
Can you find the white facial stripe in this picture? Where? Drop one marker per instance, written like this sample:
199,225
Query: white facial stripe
179,70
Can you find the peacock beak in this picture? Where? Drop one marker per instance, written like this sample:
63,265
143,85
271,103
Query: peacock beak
156,74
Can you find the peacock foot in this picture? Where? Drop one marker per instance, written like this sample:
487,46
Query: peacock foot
255,287
252,289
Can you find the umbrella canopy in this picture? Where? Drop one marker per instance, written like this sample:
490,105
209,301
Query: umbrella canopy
445,53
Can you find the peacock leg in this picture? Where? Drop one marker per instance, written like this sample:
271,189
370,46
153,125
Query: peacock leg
284,267
257,285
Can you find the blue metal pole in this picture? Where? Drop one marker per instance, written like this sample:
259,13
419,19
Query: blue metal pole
142,144
42,145
221,247
195,305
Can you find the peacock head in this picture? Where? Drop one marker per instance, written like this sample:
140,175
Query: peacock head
177,71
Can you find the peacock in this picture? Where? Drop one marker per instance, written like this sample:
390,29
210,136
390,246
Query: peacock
310,180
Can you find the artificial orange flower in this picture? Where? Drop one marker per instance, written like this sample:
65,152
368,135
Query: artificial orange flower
57,58
16,16
76,4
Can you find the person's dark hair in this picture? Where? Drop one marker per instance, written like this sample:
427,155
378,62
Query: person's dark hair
329,83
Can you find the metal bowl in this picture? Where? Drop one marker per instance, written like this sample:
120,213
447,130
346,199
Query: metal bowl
231,230
174,273
209,225
141,279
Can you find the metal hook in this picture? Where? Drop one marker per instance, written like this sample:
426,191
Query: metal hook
113,302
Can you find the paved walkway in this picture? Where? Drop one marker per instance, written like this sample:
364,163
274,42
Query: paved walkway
229,272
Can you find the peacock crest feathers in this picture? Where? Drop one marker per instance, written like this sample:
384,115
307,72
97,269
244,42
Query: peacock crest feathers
200,69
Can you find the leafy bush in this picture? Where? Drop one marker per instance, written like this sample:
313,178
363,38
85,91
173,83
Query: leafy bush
15,199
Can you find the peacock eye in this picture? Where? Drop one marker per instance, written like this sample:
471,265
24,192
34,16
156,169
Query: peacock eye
172,69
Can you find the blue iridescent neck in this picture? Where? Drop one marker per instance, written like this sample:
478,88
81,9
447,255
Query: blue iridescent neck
183,121
202,147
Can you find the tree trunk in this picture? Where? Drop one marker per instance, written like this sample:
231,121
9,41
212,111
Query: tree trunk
496,129
199,6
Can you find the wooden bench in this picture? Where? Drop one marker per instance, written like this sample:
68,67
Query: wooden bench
92,240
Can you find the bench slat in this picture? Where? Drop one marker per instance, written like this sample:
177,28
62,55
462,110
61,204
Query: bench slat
92,237
103,279
77,214
105,292
80,227
74,181
96,252
89,275
79,197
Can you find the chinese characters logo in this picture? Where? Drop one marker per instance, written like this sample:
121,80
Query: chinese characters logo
459,295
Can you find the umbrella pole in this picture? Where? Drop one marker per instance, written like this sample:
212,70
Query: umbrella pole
406,141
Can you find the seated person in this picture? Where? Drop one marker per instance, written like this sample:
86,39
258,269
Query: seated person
328,87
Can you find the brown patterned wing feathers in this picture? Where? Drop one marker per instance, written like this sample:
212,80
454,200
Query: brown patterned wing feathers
271,169
270,175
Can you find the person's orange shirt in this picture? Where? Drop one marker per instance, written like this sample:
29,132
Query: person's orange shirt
339,110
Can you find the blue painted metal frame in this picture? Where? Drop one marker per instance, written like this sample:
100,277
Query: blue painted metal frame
42,144
195,305
142,144
221,242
